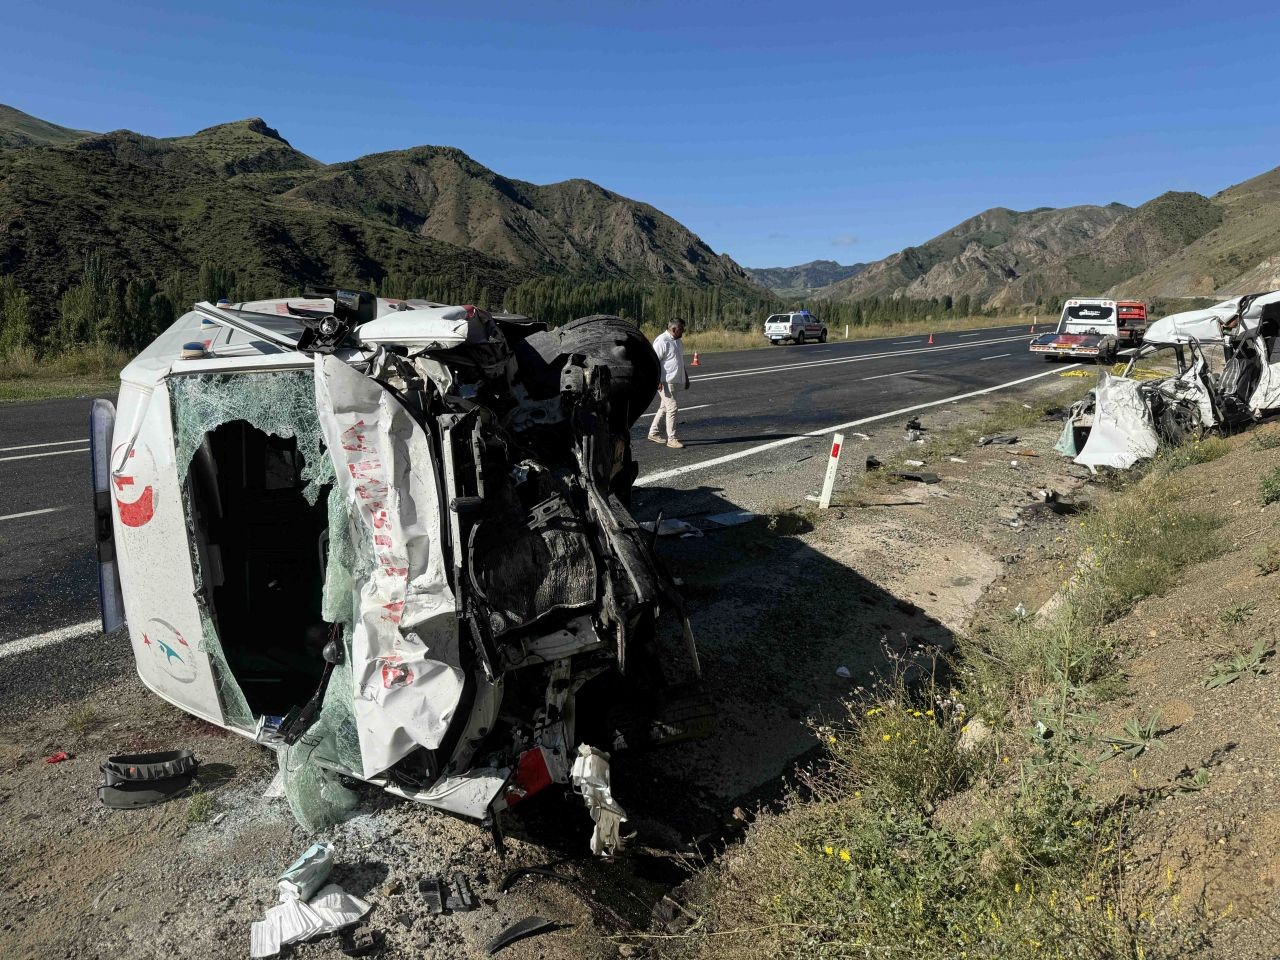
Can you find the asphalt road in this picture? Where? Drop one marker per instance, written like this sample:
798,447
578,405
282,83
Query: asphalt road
738,402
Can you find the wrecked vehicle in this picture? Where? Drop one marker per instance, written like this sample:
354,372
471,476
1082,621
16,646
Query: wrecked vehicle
391,540
1227,362
1093,328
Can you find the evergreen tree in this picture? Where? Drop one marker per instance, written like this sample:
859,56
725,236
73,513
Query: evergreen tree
17,331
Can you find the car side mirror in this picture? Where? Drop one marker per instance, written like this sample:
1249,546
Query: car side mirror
332,652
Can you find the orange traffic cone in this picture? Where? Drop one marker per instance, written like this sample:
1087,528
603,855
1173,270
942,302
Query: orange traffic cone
931,338
1033,327
696,362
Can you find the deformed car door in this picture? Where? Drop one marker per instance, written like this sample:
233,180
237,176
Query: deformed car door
405,658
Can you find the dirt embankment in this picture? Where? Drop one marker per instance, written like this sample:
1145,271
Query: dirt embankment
1118,795
780,606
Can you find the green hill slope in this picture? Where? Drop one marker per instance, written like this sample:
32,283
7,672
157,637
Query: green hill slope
18,130
239,195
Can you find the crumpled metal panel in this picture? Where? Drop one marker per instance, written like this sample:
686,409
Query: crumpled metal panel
1123,432
405,662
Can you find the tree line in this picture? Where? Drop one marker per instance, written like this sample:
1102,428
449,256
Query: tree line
106,308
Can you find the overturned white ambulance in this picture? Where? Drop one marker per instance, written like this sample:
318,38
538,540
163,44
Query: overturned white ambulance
391,539
1126,418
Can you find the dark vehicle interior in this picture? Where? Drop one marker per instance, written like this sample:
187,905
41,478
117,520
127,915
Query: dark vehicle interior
262,557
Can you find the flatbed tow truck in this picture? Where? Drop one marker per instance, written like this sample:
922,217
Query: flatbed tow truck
1094,328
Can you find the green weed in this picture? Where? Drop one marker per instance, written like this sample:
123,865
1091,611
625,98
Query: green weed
1266,441
200,807
1237,614
1231,669
83,719
1269,487
1267,559
1202,450
1138,737
1189,782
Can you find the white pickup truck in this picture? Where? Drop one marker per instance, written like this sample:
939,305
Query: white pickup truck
797,326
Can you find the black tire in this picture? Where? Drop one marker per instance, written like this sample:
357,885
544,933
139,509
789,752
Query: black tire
800,339
616,342
822,337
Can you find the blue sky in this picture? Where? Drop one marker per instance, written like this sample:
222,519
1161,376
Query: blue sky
779,132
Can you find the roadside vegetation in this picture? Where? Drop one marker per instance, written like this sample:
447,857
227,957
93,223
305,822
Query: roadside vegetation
713,340
958,811
74,340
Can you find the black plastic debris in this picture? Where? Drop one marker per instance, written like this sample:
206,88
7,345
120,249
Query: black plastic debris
997,438
545,870
520,930
460,895
361,943
918,476
134,781
433,893
447,896
873,463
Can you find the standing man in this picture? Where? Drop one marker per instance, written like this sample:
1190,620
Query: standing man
671,373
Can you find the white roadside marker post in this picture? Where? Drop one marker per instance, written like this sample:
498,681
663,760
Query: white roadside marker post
846,331
833,464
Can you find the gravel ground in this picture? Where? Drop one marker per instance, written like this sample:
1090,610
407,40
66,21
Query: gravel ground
778,605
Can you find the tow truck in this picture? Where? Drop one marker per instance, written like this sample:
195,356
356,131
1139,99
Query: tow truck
1096,328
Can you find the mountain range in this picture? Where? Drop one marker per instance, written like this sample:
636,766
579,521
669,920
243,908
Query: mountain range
797,283
240,195
1177,245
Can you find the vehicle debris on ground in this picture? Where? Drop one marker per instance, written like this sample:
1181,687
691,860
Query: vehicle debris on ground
135,781
391,540
1227,363
308,907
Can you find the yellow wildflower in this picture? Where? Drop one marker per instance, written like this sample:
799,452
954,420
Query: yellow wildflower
845,856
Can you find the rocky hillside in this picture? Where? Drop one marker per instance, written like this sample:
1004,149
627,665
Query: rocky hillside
797,283
1178,245
1239,254
240,195
984,256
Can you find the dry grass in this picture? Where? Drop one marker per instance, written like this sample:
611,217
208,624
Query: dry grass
86,371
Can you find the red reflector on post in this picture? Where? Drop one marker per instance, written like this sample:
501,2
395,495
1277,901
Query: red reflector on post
835,450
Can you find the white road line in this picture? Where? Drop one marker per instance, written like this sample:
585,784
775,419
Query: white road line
996,357
49,453
62,635
879,376
908,341
32,513
784,441
971,334
783,367
55,443
649,413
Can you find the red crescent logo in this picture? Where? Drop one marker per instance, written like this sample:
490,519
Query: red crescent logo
138,512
